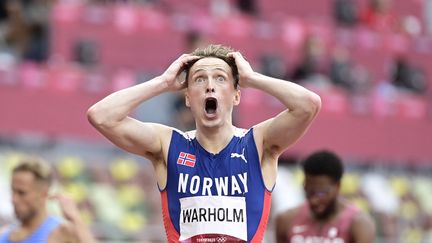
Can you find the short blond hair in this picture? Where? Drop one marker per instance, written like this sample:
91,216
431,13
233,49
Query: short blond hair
218,51
38,167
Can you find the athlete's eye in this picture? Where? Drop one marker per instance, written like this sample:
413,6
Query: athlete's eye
322,192
199,80
220,78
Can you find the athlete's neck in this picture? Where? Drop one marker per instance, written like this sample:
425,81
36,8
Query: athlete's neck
338,207
27,227
215,139
33,223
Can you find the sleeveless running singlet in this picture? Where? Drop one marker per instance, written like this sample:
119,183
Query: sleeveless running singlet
305,229
214,197
40,235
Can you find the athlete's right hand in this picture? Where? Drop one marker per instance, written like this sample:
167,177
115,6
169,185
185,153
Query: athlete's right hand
173,76
68,207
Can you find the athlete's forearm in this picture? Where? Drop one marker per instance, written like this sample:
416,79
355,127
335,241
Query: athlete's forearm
84,235
295,97
117,106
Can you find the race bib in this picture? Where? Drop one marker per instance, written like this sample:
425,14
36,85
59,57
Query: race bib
213,219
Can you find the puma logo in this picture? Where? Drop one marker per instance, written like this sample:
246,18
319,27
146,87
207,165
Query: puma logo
241,156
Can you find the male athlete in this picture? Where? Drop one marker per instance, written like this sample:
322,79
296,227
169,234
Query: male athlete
31,180
325,217
215,181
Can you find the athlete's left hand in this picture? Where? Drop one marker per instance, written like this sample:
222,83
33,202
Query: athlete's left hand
244,68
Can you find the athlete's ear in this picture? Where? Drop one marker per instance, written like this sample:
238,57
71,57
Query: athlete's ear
237,97
43,189
187,100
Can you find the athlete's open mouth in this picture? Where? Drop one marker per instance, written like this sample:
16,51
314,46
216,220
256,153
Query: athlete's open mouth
210,105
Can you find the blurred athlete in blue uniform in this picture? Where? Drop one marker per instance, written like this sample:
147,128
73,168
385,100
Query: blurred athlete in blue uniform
31,180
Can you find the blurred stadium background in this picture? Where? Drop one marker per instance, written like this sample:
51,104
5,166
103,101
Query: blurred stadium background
370,62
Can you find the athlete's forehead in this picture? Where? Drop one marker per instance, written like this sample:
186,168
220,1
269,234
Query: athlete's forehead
317,180
210,64
22,179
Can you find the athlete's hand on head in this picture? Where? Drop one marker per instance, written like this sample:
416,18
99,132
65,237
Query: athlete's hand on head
244,68
173,76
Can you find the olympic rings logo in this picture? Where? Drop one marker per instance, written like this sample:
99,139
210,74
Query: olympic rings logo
221,239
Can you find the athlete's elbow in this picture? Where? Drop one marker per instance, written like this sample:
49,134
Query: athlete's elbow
315,103
92,116
97,116
311,105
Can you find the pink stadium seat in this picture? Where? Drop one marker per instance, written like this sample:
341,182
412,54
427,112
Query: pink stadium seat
126,19
305,8
383,106
143,31
370,51
65,79
122,79
294,32
409,7
334,101
67,12
31,75
412,107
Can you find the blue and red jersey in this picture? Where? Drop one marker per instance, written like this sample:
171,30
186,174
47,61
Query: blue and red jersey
214,197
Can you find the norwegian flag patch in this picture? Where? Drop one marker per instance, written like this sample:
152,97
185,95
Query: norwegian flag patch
186,159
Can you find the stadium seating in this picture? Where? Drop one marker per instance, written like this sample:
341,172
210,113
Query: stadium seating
383,132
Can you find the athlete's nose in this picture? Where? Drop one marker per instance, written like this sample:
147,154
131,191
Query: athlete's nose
313,201
210,87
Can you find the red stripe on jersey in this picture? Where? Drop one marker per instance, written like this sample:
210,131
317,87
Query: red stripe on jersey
259,234
172,235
